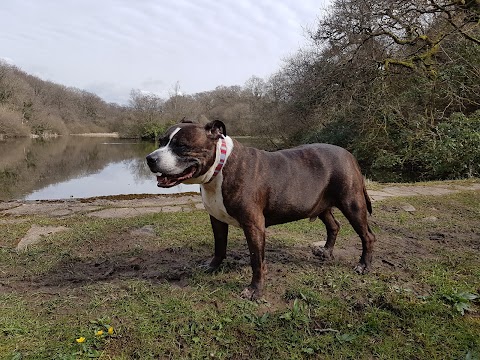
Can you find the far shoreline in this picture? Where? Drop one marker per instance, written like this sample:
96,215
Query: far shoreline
110,135
116,135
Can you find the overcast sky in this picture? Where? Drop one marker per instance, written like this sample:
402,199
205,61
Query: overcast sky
112,46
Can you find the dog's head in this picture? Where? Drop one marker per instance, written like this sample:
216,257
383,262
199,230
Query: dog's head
186,152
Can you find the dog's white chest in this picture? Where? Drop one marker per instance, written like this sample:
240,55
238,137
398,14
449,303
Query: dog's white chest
213,201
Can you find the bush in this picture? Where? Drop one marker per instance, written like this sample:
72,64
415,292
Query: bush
449,150
152,130
11,123
454,151
340,132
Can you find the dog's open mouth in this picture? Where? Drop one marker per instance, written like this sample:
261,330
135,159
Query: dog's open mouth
166,181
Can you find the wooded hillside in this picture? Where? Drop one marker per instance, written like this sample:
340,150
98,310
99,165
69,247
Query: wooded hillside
397,82
31,105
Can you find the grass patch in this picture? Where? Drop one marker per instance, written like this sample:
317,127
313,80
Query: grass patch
59,298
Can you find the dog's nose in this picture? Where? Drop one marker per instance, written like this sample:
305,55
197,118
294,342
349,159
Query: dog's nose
150,160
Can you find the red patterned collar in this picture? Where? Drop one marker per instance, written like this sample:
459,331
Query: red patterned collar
223,157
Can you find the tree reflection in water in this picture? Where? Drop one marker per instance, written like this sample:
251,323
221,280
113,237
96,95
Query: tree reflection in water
71,166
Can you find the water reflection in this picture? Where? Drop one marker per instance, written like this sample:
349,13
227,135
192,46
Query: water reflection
115,179
76,167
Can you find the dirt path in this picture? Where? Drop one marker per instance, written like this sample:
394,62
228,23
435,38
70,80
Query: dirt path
130,206
108,207
414,190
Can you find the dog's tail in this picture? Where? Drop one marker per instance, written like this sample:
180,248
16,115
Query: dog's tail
367,200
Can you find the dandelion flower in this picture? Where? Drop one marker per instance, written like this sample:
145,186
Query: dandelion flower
81,340
99,333
110,330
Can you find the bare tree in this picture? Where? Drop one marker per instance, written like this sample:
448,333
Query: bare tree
408,33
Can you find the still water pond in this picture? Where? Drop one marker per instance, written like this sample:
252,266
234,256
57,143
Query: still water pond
80,167
77,167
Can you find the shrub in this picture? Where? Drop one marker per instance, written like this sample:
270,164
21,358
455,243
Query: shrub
454,151
11,123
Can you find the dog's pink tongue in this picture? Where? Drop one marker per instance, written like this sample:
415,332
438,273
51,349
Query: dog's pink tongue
163,181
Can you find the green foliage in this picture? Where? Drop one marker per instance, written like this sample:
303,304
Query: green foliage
454,150
449,150
461,301
152,130
299,315
340,132
422,141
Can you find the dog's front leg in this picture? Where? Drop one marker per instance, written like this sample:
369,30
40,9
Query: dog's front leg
220,235
255,234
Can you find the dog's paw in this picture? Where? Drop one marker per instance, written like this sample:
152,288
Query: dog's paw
361,269
208,269
322,253
212,265
251,293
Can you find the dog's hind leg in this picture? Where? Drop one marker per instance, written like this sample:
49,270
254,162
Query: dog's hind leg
332,226
356,212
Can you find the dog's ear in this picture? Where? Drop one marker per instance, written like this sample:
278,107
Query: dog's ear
216,129
186,121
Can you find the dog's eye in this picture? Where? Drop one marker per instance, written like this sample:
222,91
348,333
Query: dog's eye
162,142
180,146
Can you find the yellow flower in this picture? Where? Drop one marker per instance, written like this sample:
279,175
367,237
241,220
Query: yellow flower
110,330
81,340
99,333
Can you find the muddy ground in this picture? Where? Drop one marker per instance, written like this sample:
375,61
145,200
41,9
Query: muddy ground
112,258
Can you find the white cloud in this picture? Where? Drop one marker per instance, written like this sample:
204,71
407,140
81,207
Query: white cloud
112,46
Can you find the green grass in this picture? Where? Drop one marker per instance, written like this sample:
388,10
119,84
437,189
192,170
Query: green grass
56,292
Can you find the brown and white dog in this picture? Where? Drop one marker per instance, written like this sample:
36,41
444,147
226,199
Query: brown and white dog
253,189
